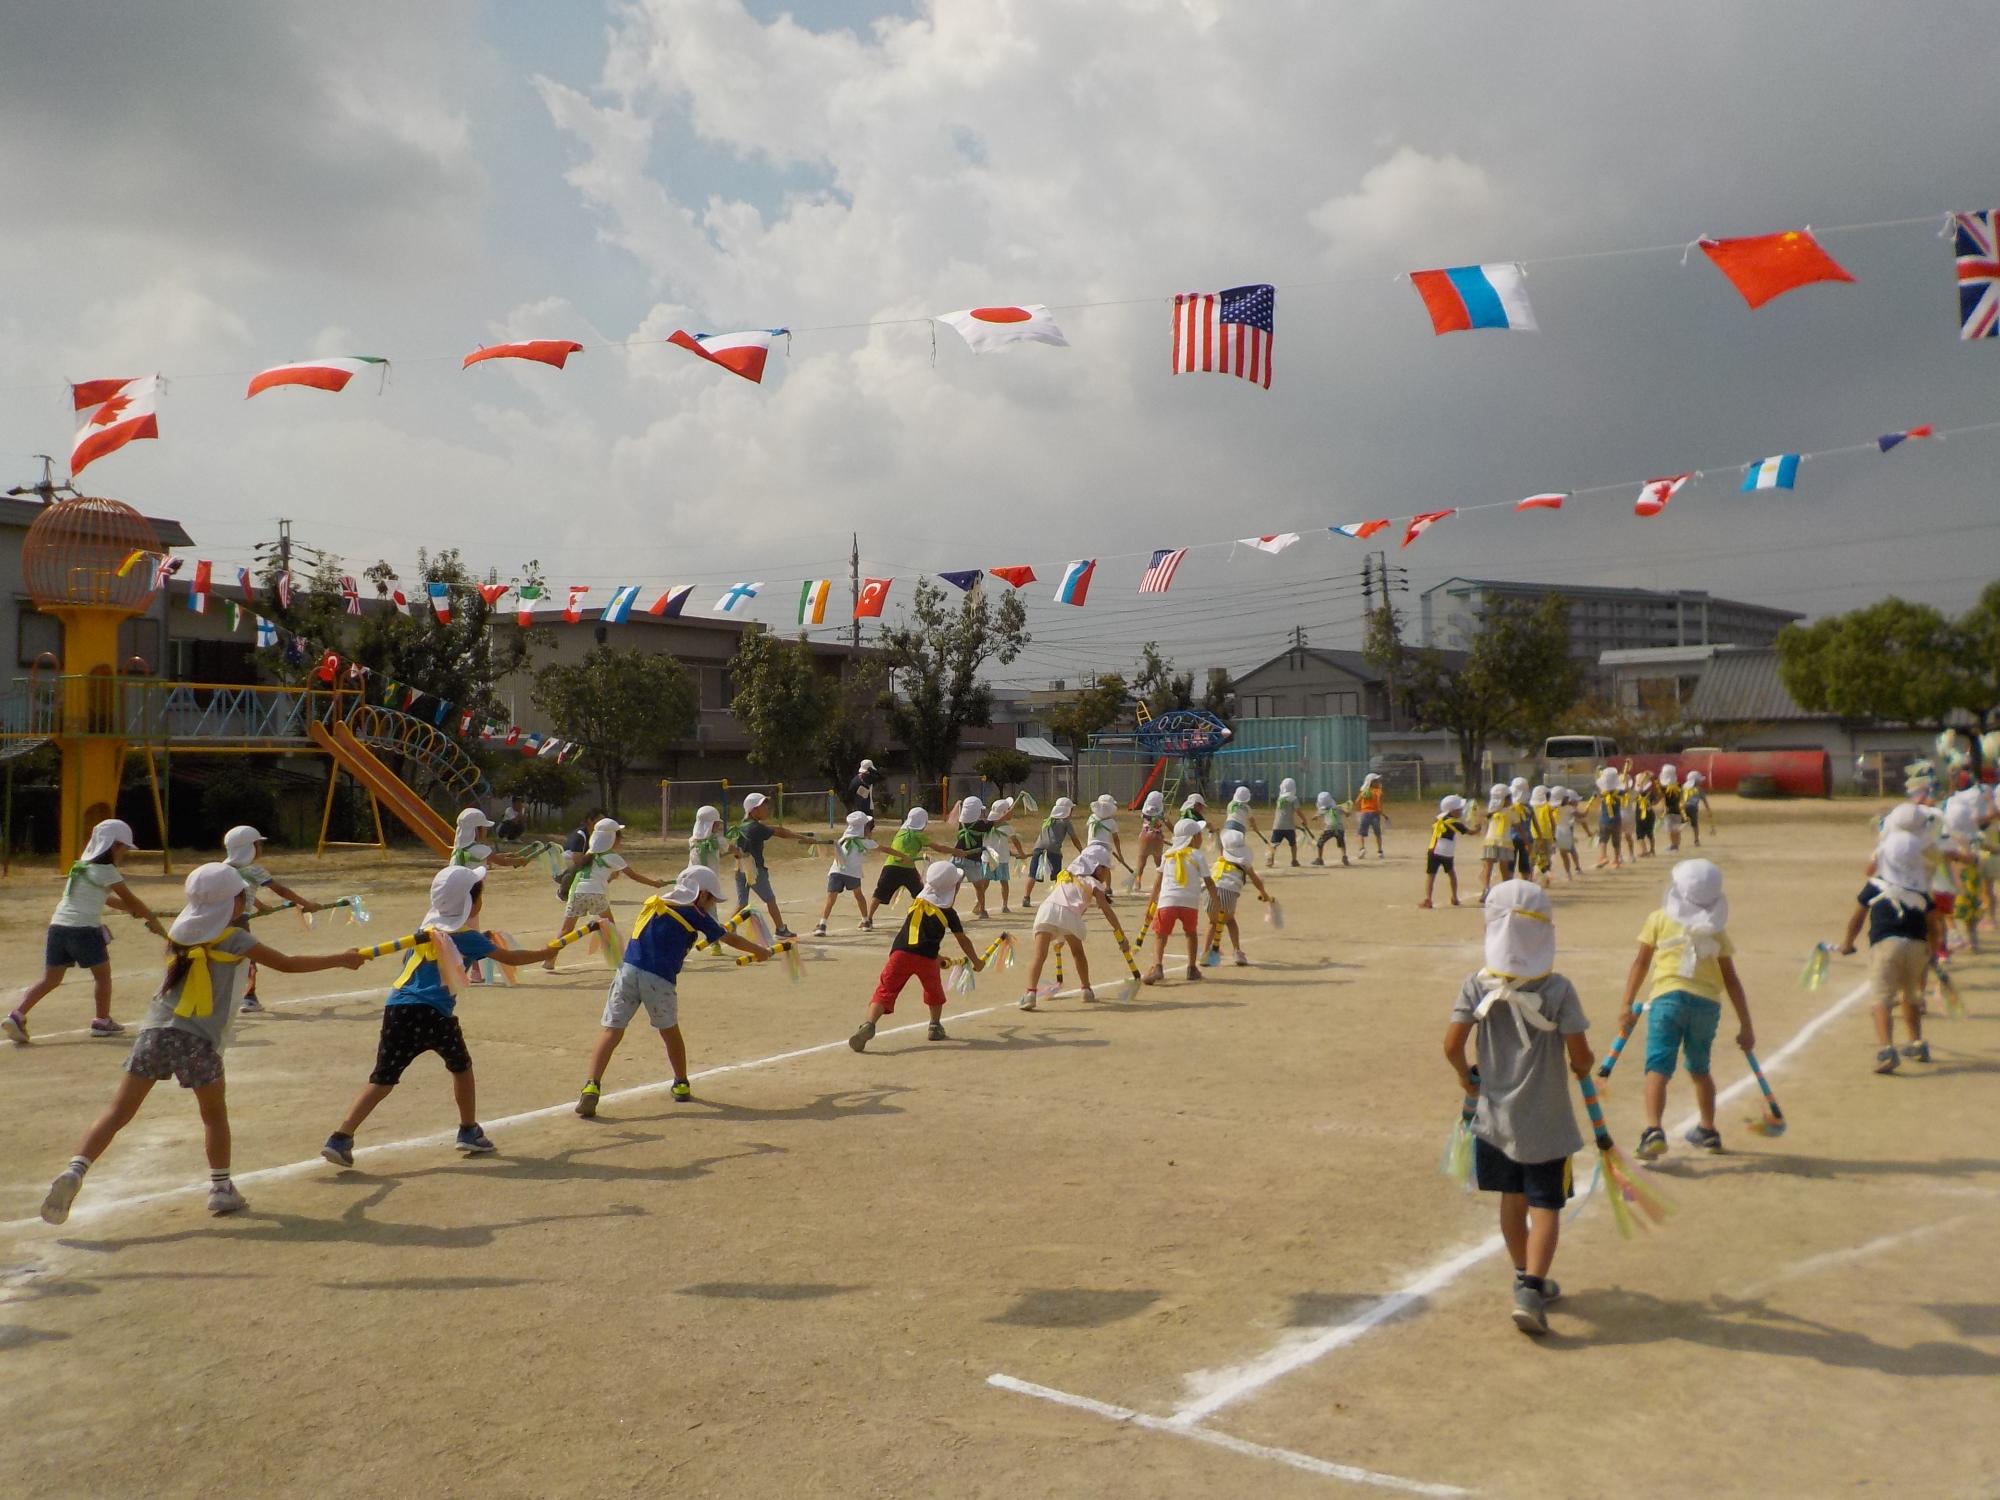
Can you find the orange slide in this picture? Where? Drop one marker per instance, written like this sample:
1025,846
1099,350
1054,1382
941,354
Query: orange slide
381,783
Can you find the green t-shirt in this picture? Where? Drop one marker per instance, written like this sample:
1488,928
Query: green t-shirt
905,847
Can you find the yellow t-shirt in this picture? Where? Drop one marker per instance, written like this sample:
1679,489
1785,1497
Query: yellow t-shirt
1665,937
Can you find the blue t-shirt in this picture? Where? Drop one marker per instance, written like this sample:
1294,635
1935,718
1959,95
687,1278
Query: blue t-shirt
423,985
663,943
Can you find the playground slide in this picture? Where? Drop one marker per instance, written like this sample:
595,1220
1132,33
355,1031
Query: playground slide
358,761
1152,776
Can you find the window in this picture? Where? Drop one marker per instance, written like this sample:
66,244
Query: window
1331,704
1258,706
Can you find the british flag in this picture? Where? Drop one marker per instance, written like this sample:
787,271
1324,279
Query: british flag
350,591
1978,255
1160,572
1229,332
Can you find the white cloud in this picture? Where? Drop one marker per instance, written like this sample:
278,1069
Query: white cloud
1407,200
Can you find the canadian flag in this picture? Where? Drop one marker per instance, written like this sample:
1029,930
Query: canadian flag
573,611
1655,493
113,413
874,594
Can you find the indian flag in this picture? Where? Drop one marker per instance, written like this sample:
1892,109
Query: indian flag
319,374
812,601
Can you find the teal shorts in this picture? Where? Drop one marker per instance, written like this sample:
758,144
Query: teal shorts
1679,1024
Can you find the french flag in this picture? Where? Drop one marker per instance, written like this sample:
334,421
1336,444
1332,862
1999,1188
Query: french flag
440,596
1462,298
1075,586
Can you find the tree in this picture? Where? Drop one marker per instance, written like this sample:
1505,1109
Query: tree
1093,708
934,659
1382,647
619,706
1516,681
1158,685
1980,627
1892,660
781,698
540,781
849,732
1005,767
1219,696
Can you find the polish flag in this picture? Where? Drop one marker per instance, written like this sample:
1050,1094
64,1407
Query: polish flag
986,329
314,374
739,353
1655,493
1551,501
544,351
874,594
114,412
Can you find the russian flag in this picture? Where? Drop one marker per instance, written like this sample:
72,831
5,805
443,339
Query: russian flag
620,606
1779,472
1075,585
1463,298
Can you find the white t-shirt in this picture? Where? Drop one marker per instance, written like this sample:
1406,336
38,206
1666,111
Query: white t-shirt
998,843
82,904
846,860
597,872
1230,879
1178,892
1100,831
255,877
1073,894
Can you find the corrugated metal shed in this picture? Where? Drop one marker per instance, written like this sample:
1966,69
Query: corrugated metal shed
1738,687
1272,749
1041,749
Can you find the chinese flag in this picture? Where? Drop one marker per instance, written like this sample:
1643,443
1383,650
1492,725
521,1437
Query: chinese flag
1019,577
1764,266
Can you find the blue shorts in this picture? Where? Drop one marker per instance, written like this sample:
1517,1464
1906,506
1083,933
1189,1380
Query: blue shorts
1371,822
1680,1024
1043,865
75,947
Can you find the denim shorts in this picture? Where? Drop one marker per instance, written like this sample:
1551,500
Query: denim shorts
1680,1024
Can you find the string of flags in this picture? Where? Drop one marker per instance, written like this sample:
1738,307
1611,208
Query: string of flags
1228,332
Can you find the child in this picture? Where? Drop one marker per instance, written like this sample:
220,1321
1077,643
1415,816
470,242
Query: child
844,874
1692,803
1331,827
969,849
1685,962
1152,833
1177,897
1045,861
914,955
1628,813
1060,917
1446,831
899,864
187,1026
1002,849
1896,903
1542,832
1524,1128
668,928
1644,814
1566,815
1368,802
1195,806
1608,814
705,842
77,936
750,836
1285,823
1101,827
1238,815
1520,831
590,890
466,848
1497,852
241,847
1671,799
418,1015
1231,870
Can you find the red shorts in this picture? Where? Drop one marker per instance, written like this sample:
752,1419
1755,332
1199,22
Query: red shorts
899,971
1944,901
1167,918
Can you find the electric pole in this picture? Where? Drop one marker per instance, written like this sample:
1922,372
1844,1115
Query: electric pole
45,489
854,586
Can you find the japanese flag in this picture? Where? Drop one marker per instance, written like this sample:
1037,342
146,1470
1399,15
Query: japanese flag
986,329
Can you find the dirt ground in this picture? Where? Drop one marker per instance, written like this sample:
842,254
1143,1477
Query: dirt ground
1191,1245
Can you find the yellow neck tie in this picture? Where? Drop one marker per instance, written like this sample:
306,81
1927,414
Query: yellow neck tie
198,985
919,909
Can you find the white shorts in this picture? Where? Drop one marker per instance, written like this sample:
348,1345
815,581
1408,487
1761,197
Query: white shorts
632,988
1060,920
1566,839
587,904
1226,900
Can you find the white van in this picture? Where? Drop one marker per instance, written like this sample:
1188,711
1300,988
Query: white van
1574,758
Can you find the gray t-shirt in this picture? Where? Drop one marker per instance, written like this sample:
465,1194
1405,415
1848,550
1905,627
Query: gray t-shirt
1285,815
226,982
1524,1090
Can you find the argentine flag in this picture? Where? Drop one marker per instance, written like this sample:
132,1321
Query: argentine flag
1780,472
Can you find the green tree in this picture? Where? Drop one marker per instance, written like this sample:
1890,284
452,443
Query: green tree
849,733
1515,684
781,698
1219,694
934,658
540,782
1092,709
619,706
1382,647
1893,661
1979,628
1158,685
1005,767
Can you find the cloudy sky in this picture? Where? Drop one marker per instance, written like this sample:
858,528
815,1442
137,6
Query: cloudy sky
207,188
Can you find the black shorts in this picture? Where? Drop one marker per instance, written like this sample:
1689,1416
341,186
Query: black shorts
408,1032
894,878
1336,835
1645,825
1545,1184
74,947
1439,863
1284,836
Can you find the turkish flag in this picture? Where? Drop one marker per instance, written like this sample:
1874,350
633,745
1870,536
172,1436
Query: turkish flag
874,594
328,670
1020,577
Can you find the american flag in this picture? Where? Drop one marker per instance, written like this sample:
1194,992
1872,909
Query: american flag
1160,572
1226,332
1978,255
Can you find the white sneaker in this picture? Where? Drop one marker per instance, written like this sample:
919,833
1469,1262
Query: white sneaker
62,1193
1027,1001
224,1199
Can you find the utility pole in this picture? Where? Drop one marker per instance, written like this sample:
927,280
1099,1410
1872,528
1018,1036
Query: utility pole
284,545
1298,646
854,586
1368,583
45,489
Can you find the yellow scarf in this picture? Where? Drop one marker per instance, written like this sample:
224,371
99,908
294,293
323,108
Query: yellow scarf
655,906
1180,858
919,909
424,953
1223,868
197,985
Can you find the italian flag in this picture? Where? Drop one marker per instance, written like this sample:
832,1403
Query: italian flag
318,374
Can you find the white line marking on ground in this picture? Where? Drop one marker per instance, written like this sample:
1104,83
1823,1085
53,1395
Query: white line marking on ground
1226,1387
1287,1456
1814,1264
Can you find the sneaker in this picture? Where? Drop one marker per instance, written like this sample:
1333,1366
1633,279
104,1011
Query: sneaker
1705,1137
1242,960
863,1035
1153,975
586,1102
339,1149
867,926
1027,1001
1551,1290
224,1199
1885,1060
15,1028
1918,1052
1194,971
253,1006
105,1026
1530,1310
62,1193
786,932
1652,1144
820,930
1319,861
473,1141
936,1033
682,1090
1089,994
